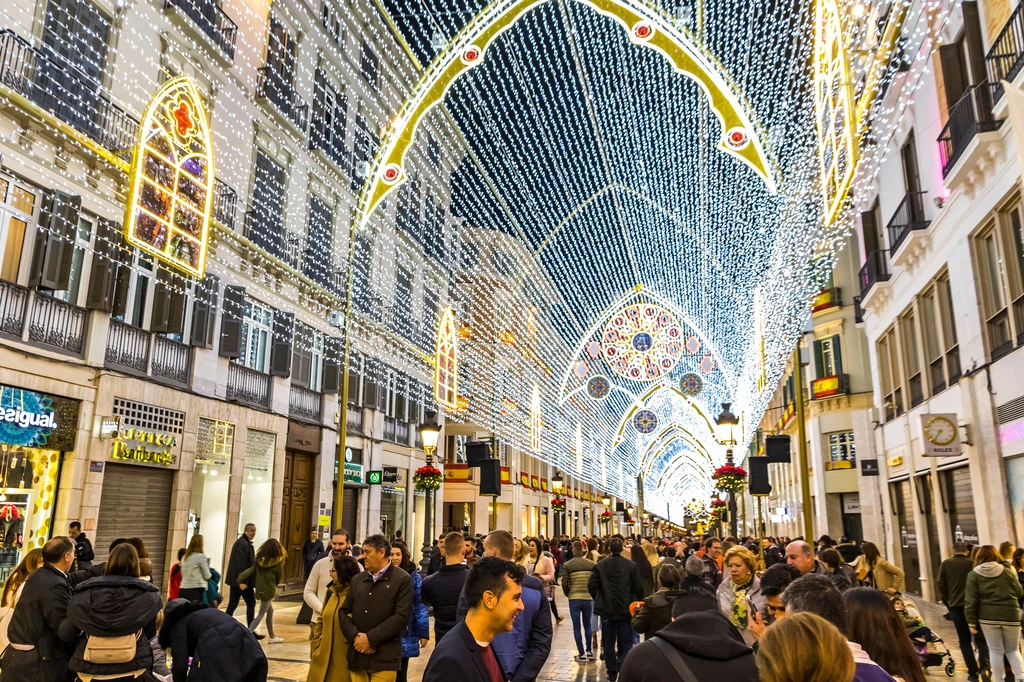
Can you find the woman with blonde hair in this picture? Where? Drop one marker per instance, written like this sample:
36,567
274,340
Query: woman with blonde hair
741,590
804,647
269,573
651,551
519,554
12,590
195,571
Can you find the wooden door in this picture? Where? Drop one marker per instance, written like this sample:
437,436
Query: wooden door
296,515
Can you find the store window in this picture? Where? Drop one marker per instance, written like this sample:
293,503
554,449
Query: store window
257,332
207,513
257,482
841,447
392,506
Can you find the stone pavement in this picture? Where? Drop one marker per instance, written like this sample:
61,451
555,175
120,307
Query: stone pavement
289,660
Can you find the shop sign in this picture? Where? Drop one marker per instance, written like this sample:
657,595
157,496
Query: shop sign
968,538
393,476
851,504
353,473
1012,433
146,447
374,477
907,539
869,467
36,419
110,427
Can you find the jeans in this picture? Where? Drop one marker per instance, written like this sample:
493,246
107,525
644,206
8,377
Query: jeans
1002,641
554,608
249,595
580,612
963,632
616,632
266,609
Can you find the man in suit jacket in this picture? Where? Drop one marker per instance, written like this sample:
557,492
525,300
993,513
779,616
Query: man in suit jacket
494,594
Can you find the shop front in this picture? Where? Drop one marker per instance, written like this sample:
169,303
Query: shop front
393,502
211,484
36,429
906,534
301,451
354,483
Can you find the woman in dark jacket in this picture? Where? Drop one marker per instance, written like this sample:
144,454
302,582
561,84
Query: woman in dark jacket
116,604
417,634
218,647
656,612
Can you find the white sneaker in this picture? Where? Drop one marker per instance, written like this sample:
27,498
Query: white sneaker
275,640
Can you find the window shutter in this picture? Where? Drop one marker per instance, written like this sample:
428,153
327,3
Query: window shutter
869,223
168,304
355,371
281,347
300,357
105,261
819,361
54,248
204,306
231,322
837,352
950,61
332,365
370,393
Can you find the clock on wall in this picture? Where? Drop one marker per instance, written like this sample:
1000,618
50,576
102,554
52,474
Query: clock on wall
941,435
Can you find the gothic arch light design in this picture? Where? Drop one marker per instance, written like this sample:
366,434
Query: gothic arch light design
645,27
446,361
833,108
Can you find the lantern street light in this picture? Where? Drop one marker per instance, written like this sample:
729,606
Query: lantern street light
557,482
725,432
606,501
557,485
430,431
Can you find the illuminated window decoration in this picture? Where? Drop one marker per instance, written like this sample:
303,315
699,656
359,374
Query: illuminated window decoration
691,384
642,342
536,419
598,387
833,108
446,361
171,198
645,421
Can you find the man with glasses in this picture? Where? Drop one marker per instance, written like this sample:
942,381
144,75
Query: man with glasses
773,583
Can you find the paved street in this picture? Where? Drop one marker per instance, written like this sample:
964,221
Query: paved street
289,660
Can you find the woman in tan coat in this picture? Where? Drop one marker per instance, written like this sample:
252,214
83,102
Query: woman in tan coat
874,571
329,662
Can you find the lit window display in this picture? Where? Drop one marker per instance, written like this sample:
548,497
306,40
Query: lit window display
258,482
208,510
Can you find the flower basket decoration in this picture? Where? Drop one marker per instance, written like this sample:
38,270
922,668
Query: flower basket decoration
606,517
427,478
730,478
558,504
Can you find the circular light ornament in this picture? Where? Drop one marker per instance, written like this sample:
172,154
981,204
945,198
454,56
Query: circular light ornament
737,139
594,350
642,342
392,174
599,387
471,55
691,384
645,422
643,31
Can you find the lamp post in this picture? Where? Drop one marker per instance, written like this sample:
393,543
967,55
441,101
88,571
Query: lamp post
557,485
429,433
725,432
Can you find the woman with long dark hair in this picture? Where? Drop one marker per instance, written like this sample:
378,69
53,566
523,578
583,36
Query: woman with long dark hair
12,590
639,557
874,571
269,572
417,634
542,566
877,628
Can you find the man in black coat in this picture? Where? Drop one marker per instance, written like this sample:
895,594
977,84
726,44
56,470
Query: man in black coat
243,557
442,589
84,553
219,648
41,637
376,613
615,584
494,594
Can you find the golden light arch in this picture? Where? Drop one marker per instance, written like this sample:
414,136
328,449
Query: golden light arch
446,361
467,50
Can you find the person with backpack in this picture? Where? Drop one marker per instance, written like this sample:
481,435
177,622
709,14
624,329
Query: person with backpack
117,613
269,572
656,612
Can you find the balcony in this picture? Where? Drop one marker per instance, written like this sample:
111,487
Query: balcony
1006,56
293,250
13,304
858,311
402,433
305,404
249,386
875,270
67,93
225,204
968,118
172,362
354,419
909,216
273,87
830,387
127,348
57,324
211,21
827,299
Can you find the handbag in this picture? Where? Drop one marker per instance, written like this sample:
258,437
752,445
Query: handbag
683,670
111,649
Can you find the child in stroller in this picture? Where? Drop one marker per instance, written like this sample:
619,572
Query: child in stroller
930,648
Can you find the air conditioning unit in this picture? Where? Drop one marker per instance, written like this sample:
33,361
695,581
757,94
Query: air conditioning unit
876,415
362,169
336,319
437,41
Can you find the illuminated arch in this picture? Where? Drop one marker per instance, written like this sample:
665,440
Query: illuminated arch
833,108
467,50
446,365
167,214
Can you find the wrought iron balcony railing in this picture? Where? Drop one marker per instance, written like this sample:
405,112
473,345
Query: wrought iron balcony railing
1006,56
273,86
909,216
172,362
248,386
305,404
968,117
13,303
58,324
225,203
127,348
875,269
211,20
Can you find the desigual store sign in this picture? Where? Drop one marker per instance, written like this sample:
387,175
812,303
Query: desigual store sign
146,447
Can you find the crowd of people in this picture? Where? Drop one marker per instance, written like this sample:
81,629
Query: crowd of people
666,609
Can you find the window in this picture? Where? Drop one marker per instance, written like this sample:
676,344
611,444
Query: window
328,128
332,23
133,289
257,332
265,224
999,263
841,447
938,331
18,206
403,303
83,242
369,66
889,368
307,357
911,358
355,372
319,256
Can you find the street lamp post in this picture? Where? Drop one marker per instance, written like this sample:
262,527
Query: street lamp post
725,431
429,433
557,484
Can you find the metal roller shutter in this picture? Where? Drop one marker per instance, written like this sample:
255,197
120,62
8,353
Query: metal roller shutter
136,502
959,498
904,511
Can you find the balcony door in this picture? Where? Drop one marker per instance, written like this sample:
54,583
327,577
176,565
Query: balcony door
17,207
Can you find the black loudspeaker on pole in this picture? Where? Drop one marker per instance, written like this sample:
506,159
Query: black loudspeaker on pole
490,477
759,485
776,449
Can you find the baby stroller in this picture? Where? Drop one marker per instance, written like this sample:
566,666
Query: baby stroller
931,650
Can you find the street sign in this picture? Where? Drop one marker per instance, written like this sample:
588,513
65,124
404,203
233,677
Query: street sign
374,477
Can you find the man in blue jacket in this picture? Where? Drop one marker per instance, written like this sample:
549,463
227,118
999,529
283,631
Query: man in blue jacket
522,652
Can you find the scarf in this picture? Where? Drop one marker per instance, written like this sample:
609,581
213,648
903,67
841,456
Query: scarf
738,612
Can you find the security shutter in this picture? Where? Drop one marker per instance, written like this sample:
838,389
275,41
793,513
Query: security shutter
350,510
281,346
136,502
231,322
959,499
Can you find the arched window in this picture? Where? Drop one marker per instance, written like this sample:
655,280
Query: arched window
446,369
